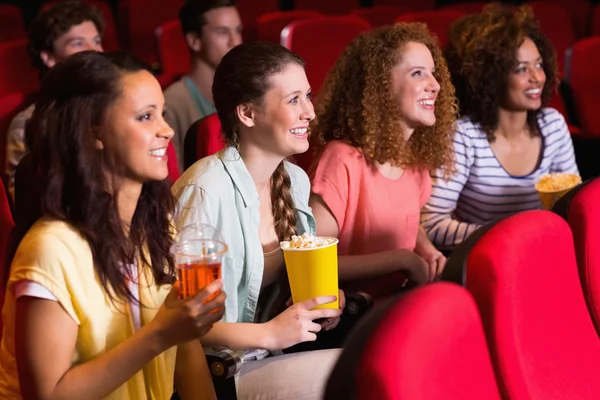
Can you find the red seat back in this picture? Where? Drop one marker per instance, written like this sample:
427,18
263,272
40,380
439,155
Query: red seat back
579,11
6,226
270,25
380,15
467,8
427,345
595,29
438,21
12,25
203,138
327,7
582,213
331,33
584,83
414,5
173,51
250,11
558,26
144,16
110,40
522,273
172,163
10,105
16,72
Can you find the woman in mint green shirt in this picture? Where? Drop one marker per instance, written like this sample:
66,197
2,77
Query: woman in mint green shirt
257,199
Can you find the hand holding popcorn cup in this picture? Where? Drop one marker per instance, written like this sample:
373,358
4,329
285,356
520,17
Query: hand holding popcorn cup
312,268
551,187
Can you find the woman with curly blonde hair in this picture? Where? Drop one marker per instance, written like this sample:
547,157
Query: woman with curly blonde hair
504,69
384,119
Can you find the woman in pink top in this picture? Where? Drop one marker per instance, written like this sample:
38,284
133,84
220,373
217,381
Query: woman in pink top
385,118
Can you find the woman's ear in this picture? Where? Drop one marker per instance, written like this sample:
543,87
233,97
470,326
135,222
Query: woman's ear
246,114
99,142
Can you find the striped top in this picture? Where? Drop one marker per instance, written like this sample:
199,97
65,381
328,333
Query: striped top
482,190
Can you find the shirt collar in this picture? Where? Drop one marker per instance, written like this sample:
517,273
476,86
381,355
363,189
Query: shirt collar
235,167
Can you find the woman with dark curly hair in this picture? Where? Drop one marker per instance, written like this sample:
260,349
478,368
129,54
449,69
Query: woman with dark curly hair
90,309
505,72
385,118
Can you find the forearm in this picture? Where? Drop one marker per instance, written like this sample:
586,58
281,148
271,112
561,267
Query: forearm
423,243
370,265
104,374
192,377
239,336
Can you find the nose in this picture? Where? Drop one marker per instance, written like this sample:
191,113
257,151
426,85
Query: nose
165,131
235,38
433,85
536,75
308,112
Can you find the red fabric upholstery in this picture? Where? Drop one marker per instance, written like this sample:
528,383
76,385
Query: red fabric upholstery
595,29
144,16
12,25
327,7
523,275
250,11
583,216
380,15
584,83
270,25
437,21
16,73
172,163
557,24
173,50
580,11
467,8
110,41
6,226
331,33
10,105
209,138
415,5
430,345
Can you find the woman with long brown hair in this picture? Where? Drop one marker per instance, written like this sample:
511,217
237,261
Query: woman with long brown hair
90,310
384,119
257,199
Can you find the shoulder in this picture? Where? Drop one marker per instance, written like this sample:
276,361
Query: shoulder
338,152
176,89
19,121
300,182
550,120
208,173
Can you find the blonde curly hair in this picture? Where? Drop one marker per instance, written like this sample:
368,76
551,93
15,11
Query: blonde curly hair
357,105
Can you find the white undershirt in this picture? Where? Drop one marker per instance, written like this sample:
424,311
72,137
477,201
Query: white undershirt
26,287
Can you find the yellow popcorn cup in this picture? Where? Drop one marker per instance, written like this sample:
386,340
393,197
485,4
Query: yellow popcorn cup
313,272
550,190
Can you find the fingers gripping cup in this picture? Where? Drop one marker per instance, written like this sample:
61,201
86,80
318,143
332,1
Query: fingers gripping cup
198,251
312,268
551,187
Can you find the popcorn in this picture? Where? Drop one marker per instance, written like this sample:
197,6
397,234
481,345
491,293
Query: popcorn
306,241
557,181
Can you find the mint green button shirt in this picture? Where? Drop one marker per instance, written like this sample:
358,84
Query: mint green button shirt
218,190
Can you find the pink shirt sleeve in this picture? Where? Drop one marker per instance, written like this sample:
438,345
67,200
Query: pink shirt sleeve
331,181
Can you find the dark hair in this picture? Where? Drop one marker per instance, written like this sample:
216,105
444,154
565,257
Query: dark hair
191,14
243,77
69,115
356,103
51,24
481,54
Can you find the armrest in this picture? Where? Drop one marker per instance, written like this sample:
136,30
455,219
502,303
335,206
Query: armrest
358,303
223,362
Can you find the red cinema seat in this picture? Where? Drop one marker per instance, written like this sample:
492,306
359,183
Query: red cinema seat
270,25
173,51
332,35
12,25
595,29
580,208
250,11
438,21
172,163
203,138
522,272
427,344
584,83
336,7
380,15
579,11
17,75
413,5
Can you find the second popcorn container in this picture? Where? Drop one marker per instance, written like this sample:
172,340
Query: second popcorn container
312,268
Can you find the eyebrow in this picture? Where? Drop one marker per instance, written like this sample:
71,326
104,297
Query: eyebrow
295,92
152,106
527,62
